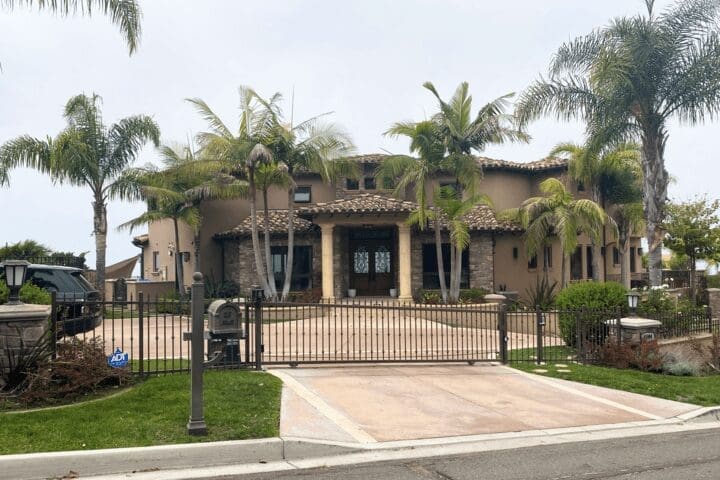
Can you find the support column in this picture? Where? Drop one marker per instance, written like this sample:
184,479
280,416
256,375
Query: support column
328,289
405,264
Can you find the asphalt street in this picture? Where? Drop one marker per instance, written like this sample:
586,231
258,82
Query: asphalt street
679,456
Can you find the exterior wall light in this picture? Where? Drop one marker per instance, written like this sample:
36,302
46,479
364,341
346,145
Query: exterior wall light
15,271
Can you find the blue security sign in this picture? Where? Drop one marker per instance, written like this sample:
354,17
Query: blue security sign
118,359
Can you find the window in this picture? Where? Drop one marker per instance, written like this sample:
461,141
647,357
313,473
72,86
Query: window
453,185
156,261
302,267
369,183
580,187
388,183
633,268
576,264
616,256
532,263
302,194
351,184
430,270
547,257
515,253
589,261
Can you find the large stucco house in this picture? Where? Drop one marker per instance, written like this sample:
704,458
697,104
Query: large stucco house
354,235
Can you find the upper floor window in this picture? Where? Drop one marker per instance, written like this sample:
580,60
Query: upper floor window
352,184
369,183
456,187
616,256
547,259
302,194
532,263
156,261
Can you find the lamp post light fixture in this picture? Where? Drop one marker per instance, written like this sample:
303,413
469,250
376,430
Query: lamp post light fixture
632,299
14,277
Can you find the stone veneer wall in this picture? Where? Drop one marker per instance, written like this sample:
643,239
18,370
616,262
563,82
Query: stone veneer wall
21,328
240,259
481,259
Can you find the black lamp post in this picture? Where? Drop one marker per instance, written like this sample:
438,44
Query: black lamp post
14,277
632,299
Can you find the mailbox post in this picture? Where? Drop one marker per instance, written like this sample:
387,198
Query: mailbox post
257,298
196,425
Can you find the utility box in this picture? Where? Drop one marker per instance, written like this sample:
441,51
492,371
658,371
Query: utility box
225,330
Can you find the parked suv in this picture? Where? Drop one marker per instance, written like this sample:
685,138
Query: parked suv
78,302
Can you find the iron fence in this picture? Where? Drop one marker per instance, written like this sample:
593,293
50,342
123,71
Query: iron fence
152,331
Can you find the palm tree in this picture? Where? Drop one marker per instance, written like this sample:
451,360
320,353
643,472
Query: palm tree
452,207
415,172
87,153
312,147
125,14
243,152
627,80
595,172
556,214
176,193
462,134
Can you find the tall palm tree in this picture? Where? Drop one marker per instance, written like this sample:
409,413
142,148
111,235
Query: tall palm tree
243,152
452,208
627,80
462,134
415,172
556,214
176,192
595,171
313,147
87,153
125,14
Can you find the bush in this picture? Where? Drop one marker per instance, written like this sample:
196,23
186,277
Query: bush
646,356
467,295
29,293
473,295
80,368
542,295
17,366
599,301
224,289
680,369
657,303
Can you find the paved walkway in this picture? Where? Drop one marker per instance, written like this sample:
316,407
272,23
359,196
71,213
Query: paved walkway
385,403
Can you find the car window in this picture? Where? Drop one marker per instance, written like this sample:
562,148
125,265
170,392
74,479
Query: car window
55,280
82,281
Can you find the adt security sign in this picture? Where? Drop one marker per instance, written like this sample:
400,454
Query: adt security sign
118,359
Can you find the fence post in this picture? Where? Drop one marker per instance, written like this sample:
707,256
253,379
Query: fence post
247,333
257,298
709,318
578,334
53,323
539,327
141,334
502,330
196,423
618,327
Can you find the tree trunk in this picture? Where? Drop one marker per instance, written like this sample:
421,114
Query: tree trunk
623,249
593,242
563,281
655,180
440,263
259,267
458,273
268,249
179,270
290,243
100,232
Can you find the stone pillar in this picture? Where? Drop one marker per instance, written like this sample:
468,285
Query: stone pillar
714,301
327,262
22,327
405,264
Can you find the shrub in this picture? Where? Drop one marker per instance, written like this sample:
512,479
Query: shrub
657,303
17,365
467,295
646,356
80,368
473,295
224,289
542,295
680,369
29,293
599,301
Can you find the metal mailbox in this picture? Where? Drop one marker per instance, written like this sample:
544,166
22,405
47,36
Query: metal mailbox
224,319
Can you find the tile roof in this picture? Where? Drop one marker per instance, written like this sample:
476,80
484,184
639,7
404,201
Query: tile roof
481,217
361,203
549,163
278,225
141,240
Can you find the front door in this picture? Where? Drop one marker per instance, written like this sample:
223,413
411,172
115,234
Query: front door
371,262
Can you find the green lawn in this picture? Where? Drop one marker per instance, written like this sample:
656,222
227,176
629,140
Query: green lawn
238,405
697,390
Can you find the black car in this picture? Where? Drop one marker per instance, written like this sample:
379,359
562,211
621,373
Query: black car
78,302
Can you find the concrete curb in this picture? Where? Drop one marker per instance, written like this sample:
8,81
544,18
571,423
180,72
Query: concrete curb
274,454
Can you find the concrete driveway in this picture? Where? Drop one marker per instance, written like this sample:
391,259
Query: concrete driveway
385,403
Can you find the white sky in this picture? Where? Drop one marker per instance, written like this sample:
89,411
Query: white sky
363,59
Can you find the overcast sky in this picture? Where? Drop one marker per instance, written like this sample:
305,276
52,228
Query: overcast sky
365,60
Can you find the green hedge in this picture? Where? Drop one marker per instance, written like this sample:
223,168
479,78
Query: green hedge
596,299
29,293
